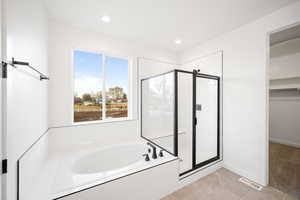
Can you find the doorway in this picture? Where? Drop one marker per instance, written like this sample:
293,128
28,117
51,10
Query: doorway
284,111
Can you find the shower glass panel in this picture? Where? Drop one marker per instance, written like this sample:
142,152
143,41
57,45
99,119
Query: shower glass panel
185,120
207,115
158,110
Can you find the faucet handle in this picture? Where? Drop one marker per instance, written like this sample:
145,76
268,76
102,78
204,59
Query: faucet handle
146,157
161,154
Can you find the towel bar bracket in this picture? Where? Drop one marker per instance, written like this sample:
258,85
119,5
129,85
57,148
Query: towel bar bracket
4,69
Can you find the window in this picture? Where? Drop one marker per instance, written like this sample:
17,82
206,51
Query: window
100,87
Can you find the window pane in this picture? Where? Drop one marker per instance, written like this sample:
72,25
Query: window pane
88,86
116,87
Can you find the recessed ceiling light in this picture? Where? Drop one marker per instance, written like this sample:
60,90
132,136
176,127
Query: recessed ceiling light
177,41
105,19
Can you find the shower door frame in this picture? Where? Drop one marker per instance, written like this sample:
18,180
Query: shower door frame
175,104
196,75
217,157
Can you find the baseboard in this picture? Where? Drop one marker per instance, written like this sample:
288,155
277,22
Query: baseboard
197,174
285,142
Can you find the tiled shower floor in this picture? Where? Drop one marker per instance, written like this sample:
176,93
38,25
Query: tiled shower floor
224,185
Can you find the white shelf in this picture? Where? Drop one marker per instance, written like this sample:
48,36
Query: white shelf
286,86
285,83
284,77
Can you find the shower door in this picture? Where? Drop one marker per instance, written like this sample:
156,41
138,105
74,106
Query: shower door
206,130
198,120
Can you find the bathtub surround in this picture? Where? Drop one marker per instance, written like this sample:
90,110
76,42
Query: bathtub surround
79,171
153,183
39,175
60,144
84,172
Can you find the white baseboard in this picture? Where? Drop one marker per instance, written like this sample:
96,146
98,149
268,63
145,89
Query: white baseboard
197,174
285,142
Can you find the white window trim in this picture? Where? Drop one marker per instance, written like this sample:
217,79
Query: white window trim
130,85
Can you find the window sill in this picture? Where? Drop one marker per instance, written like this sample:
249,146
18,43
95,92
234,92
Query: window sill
102,121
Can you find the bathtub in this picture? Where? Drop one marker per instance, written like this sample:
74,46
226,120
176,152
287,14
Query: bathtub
110,160
94,167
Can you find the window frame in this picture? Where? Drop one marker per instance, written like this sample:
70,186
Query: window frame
130,84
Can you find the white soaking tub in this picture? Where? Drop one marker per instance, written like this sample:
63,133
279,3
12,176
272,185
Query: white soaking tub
91,168
110,159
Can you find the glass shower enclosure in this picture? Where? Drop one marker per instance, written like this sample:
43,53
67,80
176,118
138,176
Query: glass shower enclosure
180,112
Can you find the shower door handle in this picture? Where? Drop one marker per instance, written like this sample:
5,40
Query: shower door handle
198,107
195,121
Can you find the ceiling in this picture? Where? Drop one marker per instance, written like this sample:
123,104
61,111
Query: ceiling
159,22
285,35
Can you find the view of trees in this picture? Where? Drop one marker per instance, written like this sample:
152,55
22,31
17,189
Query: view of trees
88,107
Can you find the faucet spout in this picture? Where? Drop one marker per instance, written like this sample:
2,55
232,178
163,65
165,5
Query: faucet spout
154,154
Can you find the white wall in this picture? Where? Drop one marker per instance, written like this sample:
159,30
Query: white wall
62,40
285,59
1,128
27,95
151,67
208,64
245,90
285,106
284,120
68,139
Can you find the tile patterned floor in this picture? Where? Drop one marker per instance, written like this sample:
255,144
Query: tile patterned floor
224,185
285,168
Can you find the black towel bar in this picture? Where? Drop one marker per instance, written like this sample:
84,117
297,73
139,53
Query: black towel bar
15,62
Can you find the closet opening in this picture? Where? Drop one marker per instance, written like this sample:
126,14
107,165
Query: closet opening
284,111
